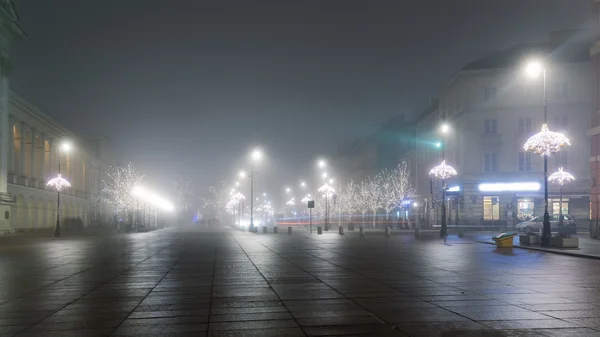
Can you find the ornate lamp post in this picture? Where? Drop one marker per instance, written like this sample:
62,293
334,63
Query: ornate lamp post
291,204
238,198
328,192
544,143
443,172
561,177
255,156
59,183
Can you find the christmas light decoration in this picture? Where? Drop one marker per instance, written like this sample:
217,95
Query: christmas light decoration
119,186
290,203
546,142
561,177
443,171
59,183
327,191
305,200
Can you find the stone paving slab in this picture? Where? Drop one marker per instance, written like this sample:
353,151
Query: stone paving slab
189,282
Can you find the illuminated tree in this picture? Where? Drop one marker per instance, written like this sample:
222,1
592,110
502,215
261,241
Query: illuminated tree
347,201
396,188
219,198
118,187
372,195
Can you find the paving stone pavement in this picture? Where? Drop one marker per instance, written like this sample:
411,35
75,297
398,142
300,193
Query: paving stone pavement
190,282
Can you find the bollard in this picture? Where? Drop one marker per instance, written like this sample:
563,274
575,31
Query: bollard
387,231
362,230
319,230
264,229
341,228
417,232
275,229
290,230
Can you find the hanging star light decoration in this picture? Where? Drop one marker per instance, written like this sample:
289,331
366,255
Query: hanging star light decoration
238,197
561,177
443,171
546,142
59,183
327,191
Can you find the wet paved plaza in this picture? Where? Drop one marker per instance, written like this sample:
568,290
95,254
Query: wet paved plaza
229,283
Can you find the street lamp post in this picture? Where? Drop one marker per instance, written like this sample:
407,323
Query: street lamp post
443,172
545,143
59,183
256,154
561,177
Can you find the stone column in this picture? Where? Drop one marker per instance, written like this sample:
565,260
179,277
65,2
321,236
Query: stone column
11,145
33,173
22,166
5,146
43,157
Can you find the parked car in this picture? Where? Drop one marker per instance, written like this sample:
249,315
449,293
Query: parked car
536,224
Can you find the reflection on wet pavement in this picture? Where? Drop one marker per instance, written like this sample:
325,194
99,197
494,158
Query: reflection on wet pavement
191,282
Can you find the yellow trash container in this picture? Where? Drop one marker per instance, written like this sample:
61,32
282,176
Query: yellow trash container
504,240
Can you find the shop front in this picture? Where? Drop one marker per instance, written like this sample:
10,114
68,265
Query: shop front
502,204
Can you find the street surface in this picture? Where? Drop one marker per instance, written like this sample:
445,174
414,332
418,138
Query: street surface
190,282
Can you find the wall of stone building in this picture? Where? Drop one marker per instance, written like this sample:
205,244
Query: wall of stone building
33,160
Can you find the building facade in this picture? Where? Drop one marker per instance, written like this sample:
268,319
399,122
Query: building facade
29,144
594,130
33,159
492,109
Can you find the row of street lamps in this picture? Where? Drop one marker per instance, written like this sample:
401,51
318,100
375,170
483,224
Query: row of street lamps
544,143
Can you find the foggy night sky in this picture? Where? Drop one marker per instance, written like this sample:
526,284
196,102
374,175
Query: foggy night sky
186,87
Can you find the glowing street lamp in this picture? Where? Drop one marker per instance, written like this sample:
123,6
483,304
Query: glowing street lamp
255,156
544,143
445,128
561,177
59,183
322,163
443,172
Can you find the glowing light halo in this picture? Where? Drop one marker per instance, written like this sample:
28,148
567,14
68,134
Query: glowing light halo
443,171
546,142
59,183
561,177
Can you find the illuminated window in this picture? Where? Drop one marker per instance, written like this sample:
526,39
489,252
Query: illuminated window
555,202
525,208
491,208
